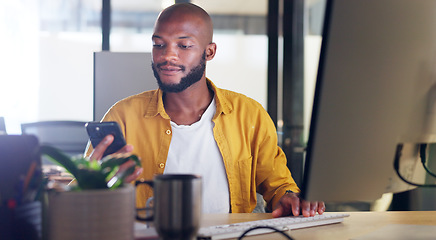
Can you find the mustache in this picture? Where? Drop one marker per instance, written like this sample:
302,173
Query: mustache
158,65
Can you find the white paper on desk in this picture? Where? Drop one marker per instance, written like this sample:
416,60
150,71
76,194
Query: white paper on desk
401,232
143,232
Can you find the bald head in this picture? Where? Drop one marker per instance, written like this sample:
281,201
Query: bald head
191,13
182,44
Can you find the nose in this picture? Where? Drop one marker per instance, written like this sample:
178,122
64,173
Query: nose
169,54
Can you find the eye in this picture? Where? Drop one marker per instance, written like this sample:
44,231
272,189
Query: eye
157,45
183,46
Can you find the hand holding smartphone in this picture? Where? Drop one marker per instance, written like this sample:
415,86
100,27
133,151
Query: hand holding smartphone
98,130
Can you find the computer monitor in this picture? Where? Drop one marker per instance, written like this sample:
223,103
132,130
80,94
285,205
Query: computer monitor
375,91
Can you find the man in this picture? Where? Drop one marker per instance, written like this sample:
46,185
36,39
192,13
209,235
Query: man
189,125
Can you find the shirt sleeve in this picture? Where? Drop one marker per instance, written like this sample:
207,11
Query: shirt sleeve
272,174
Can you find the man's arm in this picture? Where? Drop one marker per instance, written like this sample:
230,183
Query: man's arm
280,188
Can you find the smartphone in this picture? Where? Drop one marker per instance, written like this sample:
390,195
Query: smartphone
98,130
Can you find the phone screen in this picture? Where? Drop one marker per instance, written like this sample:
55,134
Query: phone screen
98,130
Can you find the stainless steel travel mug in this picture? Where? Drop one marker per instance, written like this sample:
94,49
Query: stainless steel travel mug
177,205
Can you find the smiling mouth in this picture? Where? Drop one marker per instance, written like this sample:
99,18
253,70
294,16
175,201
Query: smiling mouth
170,69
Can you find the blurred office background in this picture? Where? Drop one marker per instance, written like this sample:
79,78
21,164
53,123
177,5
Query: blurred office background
267,49
47,50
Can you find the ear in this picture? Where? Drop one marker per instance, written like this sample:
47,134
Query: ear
210,51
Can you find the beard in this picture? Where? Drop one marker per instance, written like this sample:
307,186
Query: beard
192,77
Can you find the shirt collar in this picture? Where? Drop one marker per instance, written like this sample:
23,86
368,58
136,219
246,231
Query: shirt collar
222,103
156,105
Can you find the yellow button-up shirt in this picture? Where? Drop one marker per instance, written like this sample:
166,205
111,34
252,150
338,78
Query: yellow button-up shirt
244,132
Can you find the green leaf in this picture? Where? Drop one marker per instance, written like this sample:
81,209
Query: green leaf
90,179
118,179
57,156
118,159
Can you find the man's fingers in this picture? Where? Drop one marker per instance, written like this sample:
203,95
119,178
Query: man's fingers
305,208
321,207
313,208
295,201
126,149
98,152
278,212
134,175
309,209
288,204
126,165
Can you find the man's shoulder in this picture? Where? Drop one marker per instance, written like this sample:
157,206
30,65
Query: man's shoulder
134,102
139,98
238,99
239,107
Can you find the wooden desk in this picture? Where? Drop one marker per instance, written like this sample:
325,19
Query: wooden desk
357,225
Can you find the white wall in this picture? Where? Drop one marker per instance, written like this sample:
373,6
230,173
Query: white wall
66,71
241,64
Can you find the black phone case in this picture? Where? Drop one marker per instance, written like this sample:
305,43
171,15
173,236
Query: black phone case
98,130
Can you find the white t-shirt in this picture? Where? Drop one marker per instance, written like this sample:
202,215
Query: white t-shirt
193,150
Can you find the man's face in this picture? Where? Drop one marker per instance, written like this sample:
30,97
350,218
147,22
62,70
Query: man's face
179,53
192,77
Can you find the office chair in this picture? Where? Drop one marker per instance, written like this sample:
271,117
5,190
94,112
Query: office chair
68,136
261,204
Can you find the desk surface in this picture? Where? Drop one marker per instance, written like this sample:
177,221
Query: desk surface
357,225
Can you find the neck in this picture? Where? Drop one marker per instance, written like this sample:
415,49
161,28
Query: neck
187,107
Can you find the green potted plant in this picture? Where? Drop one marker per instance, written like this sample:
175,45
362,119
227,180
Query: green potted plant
102,174
99,205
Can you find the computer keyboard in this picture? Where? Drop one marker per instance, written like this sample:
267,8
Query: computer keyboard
281,224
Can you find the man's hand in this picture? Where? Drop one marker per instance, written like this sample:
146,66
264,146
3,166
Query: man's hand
97,153
291,203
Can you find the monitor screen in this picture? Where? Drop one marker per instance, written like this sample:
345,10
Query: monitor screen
375,90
